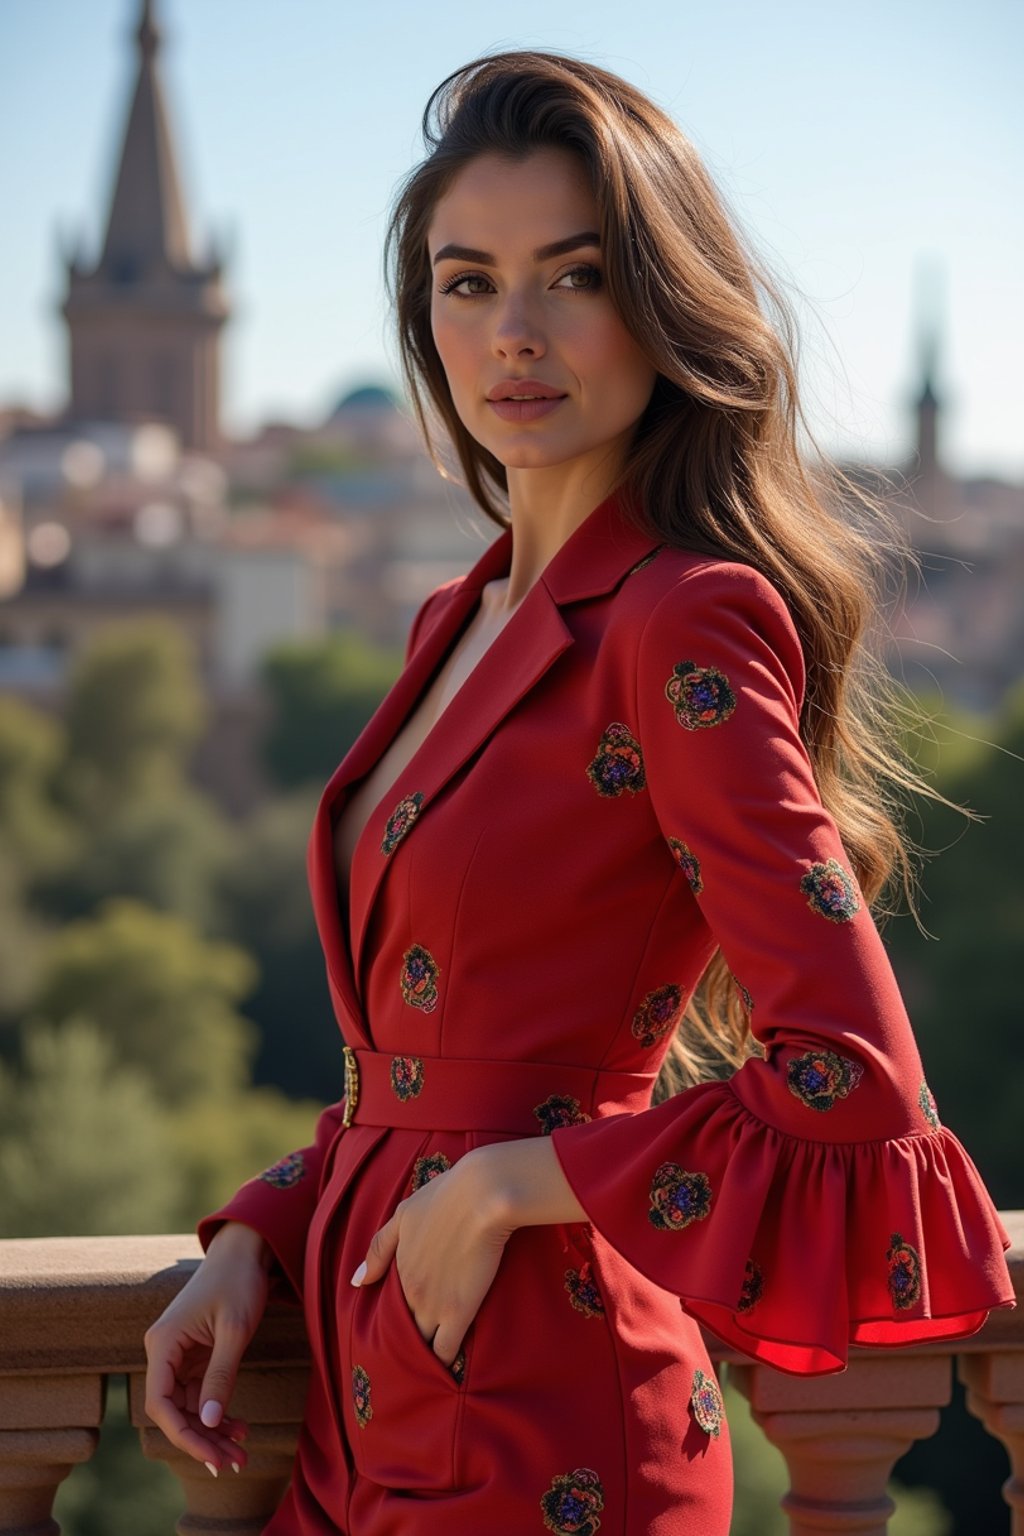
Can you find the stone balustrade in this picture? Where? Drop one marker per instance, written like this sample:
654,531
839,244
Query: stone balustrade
73,1312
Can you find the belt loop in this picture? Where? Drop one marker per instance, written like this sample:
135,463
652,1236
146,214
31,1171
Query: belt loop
351,1085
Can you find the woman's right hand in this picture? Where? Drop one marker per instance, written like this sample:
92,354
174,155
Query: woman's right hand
196,1345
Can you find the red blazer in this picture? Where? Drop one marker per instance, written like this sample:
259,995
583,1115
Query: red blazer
619,787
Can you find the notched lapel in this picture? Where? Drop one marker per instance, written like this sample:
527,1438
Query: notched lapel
512,665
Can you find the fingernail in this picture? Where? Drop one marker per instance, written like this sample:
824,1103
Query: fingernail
357,1278
210,1468
235,1467
211,1413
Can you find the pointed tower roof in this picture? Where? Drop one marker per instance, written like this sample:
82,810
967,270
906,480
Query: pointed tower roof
146,226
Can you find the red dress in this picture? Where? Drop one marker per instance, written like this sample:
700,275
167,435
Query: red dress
618,787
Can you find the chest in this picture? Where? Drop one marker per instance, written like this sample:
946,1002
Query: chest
350,821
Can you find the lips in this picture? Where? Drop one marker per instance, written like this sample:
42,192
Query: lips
530,389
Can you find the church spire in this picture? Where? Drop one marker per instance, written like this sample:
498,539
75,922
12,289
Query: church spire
146,227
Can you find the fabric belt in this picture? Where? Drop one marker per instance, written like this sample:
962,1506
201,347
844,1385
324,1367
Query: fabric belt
444,1093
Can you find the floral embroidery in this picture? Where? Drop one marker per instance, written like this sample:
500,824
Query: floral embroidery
361,1396
400,820
818,1078
559,1109
572,1503
458,1366
619,763
753,1286
678,1197
418,980
657,1014
288,1171
583,1291
406,1076
708,1407
427,1168
904,1272
830,889
700,696
689,864
928,1106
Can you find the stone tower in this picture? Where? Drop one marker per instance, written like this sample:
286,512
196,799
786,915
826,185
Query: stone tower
144,323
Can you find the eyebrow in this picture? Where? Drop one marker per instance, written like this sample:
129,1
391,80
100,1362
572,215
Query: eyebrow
542,253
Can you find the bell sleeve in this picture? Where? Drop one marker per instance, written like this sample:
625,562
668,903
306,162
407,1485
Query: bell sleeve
813,1199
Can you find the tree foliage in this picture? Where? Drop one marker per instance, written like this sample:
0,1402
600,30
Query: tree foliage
322,694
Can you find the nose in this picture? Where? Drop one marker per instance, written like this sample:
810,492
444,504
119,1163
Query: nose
516,330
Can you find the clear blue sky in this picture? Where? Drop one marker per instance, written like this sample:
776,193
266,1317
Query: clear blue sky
873,151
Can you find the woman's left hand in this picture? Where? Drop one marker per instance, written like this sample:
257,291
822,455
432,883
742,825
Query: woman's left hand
447,1237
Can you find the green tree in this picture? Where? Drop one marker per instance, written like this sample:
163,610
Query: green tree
34,833
267,911
164,997
134,712
84,1144
322,694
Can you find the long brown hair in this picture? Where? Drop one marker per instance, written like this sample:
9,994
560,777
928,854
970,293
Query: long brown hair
714,463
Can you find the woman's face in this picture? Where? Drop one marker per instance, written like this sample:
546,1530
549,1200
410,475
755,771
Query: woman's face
504,308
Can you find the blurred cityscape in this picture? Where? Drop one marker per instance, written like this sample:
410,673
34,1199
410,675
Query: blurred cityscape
132,499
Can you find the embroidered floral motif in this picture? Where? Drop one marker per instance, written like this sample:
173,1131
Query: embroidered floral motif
619,763
361,1396
904,1272
583,1291
458,1366
645,561
559,1109
928,1106
406,1076
427,1168
830,889
753,1286
572,1504
818,1078
708,1407
418,980
678,1197
700,696
689,864
657,1014
288,1171
400,820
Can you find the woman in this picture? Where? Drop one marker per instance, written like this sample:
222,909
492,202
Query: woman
629,752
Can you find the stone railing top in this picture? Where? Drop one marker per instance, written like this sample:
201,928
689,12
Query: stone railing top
84,1303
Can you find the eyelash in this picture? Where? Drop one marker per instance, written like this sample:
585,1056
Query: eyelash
591,271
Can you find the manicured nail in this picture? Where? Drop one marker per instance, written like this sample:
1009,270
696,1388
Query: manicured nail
357,1278
235,1467
211,1413
210,1468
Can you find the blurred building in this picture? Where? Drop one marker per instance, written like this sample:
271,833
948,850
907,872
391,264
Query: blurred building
144,321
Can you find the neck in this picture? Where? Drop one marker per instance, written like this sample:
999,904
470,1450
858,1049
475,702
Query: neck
548,505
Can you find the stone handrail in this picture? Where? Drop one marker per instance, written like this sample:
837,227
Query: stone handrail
73,1312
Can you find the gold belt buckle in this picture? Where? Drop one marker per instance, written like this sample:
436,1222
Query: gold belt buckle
351,1085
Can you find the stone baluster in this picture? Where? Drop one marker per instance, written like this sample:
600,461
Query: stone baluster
841,1435
235,1504
995,1394
48,1424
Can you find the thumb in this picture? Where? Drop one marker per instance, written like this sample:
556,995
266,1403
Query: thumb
379,1254
219,1379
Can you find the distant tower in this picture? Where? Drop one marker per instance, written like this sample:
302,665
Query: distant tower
144,323
928,469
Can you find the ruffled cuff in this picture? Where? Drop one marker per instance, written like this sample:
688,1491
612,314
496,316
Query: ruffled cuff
791,1249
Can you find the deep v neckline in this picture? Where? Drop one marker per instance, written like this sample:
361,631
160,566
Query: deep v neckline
386,798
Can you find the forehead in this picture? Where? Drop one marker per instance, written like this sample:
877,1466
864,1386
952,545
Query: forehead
495,201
